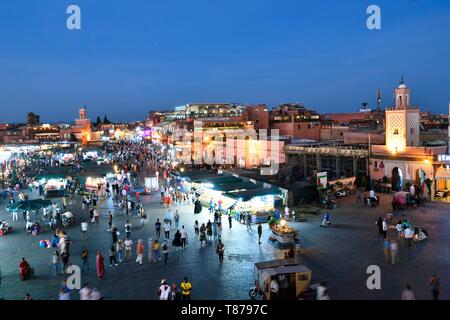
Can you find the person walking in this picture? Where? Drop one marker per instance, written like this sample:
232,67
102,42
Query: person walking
164,290
385,228
65,257
128,229
202,234
259,233
56,260
249,221
158,228
119,249
110,221
220,248
435,287
143,218
84,260
186,289
100,265
184,238
196,228
176,219
174,293
156,248
326,219
14,216
128,247
114,234
96,216
177,240
408,294
394,251
167,230
230,220
209,229
399,228
219,230
140,252
165,251
387,250
84,229
112,256
85,292
379,223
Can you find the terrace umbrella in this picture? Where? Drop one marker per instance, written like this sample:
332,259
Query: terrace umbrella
29,205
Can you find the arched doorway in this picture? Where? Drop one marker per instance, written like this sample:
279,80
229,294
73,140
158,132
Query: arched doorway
397,179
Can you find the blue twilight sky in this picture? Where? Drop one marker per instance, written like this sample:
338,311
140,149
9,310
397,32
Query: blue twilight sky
139,55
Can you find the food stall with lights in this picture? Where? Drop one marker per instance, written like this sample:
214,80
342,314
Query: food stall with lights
282,232
54,185
96,181
243,194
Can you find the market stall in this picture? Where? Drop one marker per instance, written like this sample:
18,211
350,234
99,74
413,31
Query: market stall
96,182
53,185
282,232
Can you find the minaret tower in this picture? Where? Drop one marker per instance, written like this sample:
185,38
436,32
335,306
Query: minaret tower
402,96
402,122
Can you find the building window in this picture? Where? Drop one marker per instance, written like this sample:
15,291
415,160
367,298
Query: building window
395,131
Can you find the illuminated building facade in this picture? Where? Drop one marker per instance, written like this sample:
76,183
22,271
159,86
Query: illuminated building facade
402,159
82,129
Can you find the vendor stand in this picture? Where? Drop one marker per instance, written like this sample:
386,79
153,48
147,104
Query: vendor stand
53,185
282,232
96,183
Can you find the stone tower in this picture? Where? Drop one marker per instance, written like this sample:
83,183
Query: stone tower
402,122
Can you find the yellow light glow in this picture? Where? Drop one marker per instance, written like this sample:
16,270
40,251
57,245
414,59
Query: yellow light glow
395,147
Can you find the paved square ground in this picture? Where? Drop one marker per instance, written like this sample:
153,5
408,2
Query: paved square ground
339,255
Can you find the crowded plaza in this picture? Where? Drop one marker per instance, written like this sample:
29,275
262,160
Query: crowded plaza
137,228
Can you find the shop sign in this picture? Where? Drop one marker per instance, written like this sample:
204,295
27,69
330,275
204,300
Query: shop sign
444,157
322,178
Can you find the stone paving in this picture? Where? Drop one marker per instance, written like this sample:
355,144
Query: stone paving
339,255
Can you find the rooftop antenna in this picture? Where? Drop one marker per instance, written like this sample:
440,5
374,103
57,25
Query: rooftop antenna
379,100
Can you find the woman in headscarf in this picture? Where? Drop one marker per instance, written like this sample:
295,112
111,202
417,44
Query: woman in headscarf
100,265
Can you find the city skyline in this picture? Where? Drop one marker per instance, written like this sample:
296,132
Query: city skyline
155,56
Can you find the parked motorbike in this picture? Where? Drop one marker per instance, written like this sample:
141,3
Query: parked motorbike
256,291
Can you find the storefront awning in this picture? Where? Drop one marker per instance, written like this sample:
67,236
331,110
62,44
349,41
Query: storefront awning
250,194
50,176
442,173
